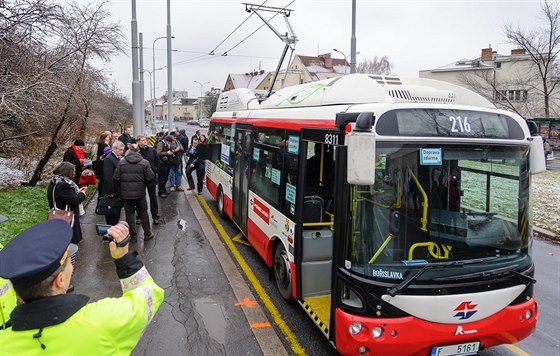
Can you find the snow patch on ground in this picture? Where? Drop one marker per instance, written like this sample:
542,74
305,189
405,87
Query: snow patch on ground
546,201
9,175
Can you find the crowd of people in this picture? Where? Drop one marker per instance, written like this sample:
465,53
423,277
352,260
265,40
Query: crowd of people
35,264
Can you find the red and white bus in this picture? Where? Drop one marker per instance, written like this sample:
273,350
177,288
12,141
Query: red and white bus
396,212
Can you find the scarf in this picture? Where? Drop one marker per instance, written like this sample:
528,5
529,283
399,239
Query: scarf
59,179
79,153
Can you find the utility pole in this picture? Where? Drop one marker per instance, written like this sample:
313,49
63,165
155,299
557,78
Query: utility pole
142,99
169,71
136,105
353,40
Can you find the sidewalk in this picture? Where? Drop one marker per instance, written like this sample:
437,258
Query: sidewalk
199,315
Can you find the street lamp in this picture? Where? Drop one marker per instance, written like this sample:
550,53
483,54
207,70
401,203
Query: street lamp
345,58
200,104
154,64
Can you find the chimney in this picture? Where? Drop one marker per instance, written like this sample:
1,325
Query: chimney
486,54
518,51
328,63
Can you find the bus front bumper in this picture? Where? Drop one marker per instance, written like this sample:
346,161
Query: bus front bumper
412,336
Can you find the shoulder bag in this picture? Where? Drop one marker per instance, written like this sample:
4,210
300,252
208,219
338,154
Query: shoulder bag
108,206
55,213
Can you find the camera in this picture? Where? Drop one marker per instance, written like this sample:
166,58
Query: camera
107,238
102,228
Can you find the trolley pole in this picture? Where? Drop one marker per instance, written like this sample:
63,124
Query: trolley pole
142,98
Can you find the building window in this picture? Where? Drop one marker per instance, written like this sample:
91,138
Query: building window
498,65
512,95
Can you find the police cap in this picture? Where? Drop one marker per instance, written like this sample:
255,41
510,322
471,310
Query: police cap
36,253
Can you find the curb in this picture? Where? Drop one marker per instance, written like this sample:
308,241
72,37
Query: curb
267,338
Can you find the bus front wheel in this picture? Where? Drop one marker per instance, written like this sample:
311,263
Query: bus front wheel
221,212
283,273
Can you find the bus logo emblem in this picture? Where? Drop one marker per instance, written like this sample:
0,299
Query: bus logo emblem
261,210
465,310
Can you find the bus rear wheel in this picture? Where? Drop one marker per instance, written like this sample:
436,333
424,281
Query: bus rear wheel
283,273
221,211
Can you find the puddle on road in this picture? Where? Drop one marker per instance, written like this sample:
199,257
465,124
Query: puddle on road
213,317
182,224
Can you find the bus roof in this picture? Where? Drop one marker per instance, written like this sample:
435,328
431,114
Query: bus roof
355,89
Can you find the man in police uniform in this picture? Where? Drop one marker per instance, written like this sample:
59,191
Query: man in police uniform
52,322
8,301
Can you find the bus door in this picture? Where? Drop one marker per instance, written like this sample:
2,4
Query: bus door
317,217
241,166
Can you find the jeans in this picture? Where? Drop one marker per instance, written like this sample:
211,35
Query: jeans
175,175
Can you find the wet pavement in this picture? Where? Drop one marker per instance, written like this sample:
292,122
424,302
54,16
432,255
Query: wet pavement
554,163
199,315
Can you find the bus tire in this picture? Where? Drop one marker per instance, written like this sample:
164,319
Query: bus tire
220,204
282,273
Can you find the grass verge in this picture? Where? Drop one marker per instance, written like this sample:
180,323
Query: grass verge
24,207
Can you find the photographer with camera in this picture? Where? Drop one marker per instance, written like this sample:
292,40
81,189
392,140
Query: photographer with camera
166,155
52,322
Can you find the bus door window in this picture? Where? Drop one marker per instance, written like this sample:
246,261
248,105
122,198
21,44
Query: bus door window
319,178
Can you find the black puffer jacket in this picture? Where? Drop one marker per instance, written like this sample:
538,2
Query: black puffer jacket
132,176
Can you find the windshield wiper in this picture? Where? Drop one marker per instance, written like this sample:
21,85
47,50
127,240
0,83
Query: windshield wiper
398,288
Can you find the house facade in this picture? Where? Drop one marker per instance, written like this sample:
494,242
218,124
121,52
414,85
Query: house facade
302,69
511,82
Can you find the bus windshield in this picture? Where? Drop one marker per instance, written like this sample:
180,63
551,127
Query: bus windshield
435,203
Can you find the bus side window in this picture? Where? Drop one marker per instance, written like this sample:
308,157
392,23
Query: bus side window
290,173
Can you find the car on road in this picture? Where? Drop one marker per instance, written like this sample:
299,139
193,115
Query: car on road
204,123
192,122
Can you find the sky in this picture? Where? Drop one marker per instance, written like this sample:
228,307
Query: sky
414,34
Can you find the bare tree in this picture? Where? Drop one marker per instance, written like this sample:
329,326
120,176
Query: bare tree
44,54
542,44
211,101
375,66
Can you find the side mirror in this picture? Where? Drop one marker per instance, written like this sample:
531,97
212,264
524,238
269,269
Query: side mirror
536,157
361,152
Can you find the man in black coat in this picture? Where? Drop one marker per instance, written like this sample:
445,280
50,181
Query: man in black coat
109,166
132,176
125,137
150,155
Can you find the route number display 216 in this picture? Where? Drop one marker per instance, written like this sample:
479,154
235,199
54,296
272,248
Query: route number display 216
459,124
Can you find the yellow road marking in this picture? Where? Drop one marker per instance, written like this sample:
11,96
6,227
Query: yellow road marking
288,334
260,325
516,350
247,302
240,240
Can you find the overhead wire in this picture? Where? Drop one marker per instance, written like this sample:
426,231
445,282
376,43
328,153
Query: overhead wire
232,32
252,33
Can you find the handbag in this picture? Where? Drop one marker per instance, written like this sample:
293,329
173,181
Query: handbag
108,206
87,178
55,213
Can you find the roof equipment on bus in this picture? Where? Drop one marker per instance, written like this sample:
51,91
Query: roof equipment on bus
359,89
237,100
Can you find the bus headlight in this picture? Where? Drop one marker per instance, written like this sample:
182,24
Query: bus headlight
355,328
376,332
528,314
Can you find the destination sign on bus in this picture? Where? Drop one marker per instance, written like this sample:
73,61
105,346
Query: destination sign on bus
448,123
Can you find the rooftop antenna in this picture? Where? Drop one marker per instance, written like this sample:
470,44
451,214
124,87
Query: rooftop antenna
290,38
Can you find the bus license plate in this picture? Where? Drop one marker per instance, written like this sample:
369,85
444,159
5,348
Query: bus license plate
467,348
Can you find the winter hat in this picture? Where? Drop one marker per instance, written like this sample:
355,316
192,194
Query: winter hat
79,142
107,150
